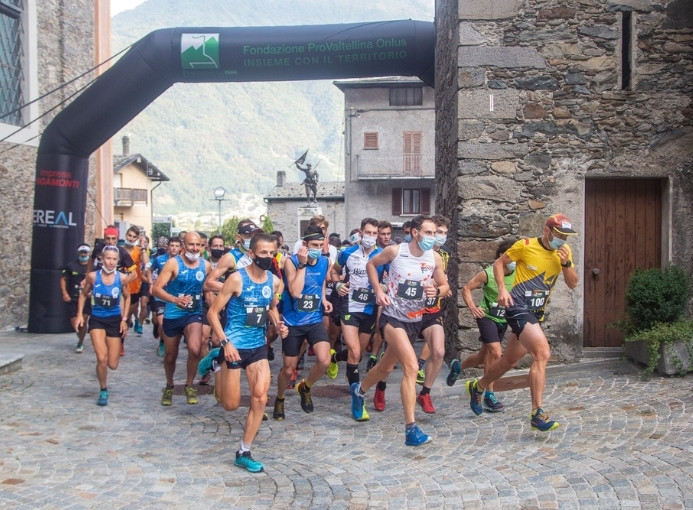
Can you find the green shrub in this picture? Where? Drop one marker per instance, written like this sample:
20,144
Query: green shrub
661,334
655,296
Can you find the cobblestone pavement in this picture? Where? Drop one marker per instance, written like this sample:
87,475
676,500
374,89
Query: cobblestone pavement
622,442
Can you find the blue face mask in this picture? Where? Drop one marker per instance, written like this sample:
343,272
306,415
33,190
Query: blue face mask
407,238
246,244
314,253
556,243
83,258
427,243
511,266
440,240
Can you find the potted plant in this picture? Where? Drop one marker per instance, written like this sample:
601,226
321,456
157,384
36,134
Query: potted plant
656,332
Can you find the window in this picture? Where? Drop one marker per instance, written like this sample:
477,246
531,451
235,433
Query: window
411,201
18,75
11,75
370,140
406,96
626,50
412,152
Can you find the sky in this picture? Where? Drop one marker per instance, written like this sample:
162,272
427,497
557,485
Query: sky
118,6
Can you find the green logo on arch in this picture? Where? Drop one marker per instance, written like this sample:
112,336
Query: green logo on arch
199,51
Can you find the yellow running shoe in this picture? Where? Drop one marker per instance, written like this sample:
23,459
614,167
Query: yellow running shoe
191,395
332,368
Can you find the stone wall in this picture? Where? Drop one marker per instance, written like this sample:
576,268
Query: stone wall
65,48
540,107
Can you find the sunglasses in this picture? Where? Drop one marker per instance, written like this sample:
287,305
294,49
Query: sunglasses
112,248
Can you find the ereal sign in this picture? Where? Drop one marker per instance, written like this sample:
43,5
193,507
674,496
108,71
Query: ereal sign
53,219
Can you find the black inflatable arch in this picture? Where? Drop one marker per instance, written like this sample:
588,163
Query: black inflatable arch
153,64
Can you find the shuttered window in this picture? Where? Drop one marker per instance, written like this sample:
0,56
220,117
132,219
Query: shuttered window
411,201
370,140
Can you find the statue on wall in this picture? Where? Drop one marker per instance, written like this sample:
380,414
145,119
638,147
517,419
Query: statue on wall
311,180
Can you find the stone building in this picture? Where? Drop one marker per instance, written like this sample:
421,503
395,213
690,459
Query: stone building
45,45
580,107
389,155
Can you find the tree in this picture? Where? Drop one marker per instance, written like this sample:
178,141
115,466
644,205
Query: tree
267,225
159,230
229,229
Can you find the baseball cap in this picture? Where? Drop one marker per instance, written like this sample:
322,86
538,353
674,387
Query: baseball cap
84,248
561,224
313,233
249,228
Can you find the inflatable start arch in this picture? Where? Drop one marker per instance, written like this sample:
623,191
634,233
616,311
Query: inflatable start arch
191,55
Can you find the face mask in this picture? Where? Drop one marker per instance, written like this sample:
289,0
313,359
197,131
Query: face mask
368,241
440,240
217,253
355,238
246,244
511,266
427,243
83,258
556,243
130,243
264,263
407,238
314,253
161,251
192,257
107,271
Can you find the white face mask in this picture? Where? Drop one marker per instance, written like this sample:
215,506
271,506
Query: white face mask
107,271
192,257
368,241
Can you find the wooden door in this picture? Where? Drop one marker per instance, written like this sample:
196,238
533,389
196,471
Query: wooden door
623,222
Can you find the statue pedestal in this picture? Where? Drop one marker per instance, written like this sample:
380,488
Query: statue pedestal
304,214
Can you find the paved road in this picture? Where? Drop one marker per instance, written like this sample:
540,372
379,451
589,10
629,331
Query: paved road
622,443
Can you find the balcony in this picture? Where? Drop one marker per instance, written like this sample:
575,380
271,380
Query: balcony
127,197
394,166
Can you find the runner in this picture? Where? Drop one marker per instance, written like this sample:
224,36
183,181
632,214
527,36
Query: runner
539,262
71,287
249,296
107,323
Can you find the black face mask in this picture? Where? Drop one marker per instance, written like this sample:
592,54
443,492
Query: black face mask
264,263
160,251
217,253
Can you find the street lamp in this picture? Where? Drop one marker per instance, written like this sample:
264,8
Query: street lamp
219,197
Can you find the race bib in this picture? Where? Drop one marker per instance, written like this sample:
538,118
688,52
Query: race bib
105,301
361,295
255,316
308,302
536,300
496,310
194,302
432,302
410,289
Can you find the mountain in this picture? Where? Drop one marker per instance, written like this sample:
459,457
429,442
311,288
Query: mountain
238,135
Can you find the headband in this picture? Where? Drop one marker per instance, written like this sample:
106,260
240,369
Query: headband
110,231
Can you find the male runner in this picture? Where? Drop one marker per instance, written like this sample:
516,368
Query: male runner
71,287
539,262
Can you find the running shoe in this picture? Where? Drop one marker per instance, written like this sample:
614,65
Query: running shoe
292,380
358,404
147,320
138,327
103,398
415,436
278,413
79,349
206,364
426,403
541,421
245,461
475,396
420,376
454,373
372,361
204,380
306,401
491,403
167,397
379,399
161,350
191,395
333,367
